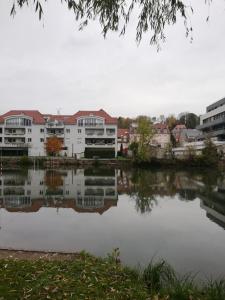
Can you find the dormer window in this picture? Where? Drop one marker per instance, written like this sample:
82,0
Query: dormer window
91,121
18,121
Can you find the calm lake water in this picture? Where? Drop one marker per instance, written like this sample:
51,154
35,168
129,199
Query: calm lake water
177,216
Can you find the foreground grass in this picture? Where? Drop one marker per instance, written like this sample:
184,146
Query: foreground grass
88,277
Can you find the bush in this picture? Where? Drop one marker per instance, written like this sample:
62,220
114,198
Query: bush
25,161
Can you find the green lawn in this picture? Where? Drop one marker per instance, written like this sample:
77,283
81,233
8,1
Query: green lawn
86,277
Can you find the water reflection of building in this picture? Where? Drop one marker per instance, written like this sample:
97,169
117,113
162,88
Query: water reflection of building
81,190
214,205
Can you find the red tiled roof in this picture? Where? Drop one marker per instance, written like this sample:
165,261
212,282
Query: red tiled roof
122,132
97,113
34,114
62,118
180,126
160,126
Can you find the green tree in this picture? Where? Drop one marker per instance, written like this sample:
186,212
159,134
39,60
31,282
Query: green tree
190,120
209,153
124,123
151,16
145,131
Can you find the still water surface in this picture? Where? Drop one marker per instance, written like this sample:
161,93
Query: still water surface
177,216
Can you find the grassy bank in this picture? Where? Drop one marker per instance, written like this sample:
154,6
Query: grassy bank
87,277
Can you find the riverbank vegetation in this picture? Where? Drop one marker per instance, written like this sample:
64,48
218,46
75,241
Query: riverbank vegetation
89,277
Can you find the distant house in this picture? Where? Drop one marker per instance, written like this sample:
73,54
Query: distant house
161,137
189,135
178,132
123,138
196,147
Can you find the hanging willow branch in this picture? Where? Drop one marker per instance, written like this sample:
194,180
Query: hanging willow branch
114,15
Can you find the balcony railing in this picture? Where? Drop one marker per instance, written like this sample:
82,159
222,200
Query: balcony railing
94,133
55,133
15,133
18,145
91,125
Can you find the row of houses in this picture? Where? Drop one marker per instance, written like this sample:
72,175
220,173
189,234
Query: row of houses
90,134
212,125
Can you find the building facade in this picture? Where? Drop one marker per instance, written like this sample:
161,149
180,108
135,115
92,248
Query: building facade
212,123
83,134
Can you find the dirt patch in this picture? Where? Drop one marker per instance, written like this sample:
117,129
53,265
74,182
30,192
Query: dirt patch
35,255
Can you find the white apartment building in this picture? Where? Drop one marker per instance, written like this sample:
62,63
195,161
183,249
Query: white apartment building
83,134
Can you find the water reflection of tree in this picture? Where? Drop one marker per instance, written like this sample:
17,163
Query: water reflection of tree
142,191
53,179
146,185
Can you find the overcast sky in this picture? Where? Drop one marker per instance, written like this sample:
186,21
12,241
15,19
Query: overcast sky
50,65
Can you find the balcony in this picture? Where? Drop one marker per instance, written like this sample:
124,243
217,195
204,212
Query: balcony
17,201
15,132
13,191
55,132
99,181
14,182
100,142
94,132
90,202
18,145
110,132
91,125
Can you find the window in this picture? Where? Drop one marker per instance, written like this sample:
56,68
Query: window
18,121
29,140
42,140
0,130
79,130
42,130
41,192
41,182
80,122
67,130
0,139
29,130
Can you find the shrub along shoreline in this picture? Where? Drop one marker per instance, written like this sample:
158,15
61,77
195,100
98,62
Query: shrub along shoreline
49,162
84,276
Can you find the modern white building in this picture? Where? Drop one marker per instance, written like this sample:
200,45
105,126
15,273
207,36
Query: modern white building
212,123
83,134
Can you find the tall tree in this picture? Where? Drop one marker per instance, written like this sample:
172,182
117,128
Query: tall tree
114,15
145,131
171,122
190,120
124,123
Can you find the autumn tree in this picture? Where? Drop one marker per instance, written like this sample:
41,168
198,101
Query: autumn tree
171,122
151,16
53,145
53,179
